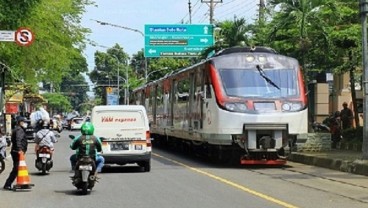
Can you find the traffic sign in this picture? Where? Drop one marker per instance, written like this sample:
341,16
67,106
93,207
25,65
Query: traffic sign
24,36
7,36
178,40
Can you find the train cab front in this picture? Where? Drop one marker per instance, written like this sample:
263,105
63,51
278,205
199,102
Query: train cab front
265,144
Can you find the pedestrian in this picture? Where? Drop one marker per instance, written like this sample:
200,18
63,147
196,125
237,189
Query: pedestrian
346,115
19,145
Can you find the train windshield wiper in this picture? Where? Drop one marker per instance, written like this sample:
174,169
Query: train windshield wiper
268,80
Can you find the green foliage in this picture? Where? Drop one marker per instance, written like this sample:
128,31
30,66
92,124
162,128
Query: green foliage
13,12
353,135
75,87
232,33
106,71
57,102
59,38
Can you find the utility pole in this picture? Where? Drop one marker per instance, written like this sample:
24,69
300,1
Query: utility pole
261,11
211,4
190,12
363,14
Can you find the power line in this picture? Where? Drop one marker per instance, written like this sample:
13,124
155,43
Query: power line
195,12
182,19
234,10
224,4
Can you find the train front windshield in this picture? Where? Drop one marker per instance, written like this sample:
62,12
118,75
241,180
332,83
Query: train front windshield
258,75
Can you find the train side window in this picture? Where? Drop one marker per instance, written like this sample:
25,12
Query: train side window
183,87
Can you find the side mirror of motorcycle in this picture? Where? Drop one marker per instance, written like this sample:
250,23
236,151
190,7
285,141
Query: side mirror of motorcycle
71,136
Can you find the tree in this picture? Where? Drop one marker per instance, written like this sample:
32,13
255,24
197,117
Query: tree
294,24
105,73
232,33
57,103
59,38
75,88
345,33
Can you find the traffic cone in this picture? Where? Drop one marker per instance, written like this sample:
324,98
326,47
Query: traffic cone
23,181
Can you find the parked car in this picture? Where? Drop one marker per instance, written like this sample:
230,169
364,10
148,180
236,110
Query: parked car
76,123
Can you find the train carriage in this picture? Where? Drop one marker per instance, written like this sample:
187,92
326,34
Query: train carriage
244,102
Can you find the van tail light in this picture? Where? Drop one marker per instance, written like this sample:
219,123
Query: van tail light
148,139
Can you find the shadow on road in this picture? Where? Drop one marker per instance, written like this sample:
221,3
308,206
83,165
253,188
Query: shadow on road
73,192
121,169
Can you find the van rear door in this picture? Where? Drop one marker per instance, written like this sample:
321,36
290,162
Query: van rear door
125,131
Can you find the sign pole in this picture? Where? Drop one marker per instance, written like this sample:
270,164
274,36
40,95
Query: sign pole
363,14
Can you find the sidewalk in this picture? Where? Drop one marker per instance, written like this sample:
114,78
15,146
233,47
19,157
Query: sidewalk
341,160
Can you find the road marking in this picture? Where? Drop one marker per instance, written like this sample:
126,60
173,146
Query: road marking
228,182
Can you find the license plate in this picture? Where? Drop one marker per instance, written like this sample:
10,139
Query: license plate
116,146
85,167
44,155
138,147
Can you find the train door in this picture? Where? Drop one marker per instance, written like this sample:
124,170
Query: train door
154,106
196,109
207,95
191,99
172,102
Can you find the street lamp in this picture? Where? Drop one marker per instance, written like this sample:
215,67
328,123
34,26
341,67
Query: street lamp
118,83
126,100
126,28
147,75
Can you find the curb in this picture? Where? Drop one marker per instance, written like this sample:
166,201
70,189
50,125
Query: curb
356,167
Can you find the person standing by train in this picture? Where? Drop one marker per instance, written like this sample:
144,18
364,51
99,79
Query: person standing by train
346,115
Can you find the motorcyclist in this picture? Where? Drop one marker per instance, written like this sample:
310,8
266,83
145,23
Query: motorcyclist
44,137
87,144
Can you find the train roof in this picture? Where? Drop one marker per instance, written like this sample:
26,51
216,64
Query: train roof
256,49
237,49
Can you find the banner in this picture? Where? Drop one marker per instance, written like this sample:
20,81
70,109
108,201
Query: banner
112,97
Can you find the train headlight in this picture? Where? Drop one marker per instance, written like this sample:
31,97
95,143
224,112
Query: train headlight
237,107
292,106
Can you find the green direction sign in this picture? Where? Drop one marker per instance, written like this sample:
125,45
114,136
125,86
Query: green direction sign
177,40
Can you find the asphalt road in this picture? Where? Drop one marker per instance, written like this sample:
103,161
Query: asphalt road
182,181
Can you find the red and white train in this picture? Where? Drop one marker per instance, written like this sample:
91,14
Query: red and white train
244,102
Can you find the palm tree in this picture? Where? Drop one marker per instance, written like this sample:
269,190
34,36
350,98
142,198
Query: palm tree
232,33
294,20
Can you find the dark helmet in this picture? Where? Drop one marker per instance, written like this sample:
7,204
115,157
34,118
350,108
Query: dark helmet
20,119
87,128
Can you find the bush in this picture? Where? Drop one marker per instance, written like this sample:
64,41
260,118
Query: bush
353,135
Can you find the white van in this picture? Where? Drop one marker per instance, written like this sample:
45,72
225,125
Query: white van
126,134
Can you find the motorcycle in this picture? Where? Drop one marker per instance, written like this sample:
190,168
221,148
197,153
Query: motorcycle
44,159
84,174
331,124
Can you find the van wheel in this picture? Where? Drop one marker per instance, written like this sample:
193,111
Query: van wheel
146,166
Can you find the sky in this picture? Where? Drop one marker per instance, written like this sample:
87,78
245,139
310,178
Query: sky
136,14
